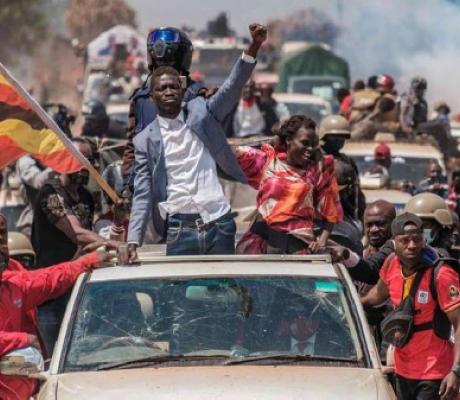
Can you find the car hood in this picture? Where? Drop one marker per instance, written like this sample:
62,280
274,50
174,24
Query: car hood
222,383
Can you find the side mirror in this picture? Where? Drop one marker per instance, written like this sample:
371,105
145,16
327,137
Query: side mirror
26,362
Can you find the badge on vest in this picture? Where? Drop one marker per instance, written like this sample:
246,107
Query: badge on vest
422,297
454,292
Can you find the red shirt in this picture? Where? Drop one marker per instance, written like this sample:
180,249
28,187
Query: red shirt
21,292
425,356
30,324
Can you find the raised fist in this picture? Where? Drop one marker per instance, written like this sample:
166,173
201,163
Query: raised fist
258,33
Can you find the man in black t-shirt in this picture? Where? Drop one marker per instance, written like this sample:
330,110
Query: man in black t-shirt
63,216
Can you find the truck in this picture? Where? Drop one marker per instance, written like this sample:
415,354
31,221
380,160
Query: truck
313,69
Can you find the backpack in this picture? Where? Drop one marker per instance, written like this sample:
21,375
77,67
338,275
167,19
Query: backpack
441,324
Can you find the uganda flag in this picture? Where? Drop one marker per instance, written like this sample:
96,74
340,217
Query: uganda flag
24,129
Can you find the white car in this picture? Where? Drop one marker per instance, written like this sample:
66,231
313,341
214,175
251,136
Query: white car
216,328
314,107
398,198
409,159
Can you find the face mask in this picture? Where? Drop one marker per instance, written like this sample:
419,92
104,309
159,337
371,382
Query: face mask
333,145
427,236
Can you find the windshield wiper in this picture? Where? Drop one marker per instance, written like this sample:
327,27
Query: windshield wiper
286,359
158,360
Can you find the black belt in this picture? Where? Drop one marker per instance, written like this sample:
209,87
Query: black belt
288,244
198,222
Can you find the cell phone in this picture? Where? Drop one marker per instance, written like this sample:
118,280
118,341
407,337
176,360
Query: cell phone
183,82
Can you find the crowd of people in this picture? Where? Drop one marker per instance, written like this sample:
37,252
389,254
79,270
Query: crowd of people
309,201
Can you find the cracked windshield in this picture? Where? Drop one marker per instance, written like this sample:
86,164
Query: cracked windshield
230,317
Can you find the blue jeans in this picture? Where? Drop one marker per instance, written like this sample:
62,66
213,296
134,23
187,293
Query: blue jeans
184,238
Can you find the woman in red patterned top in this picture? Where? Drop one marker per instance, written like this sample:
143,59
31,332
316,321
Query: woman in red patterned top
296,185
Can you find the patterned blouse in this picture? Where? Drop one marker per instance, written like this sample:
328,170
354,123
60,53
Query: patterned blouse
289,198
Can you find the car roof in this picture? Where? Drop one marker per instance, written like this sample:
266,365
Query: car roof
391,195
117,107
240,265
300,98
402,149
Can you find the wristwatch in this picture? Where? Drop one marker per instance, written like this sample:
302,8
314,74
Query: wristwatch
456,370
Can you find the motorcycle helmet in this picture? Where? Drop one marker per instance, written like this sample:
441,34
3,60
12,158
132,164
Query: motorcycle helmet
169,46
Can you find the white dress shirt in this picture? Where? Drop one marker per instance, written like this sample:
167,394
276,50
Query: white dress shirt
193,185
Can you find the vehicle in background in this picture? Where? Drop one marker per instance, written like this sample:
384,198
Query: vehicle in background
115,54
314,107
118,111
210,327
373,187
455,129
409,160
314,69
214,60
396,197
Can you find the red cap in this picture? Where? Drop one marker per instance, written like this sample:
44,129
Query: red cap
382,151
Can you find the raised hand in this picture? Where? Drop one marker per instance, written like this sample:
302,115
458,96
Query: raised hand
258,33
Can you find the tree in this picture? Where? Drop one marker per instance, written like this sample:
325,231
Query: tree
22,27
86,19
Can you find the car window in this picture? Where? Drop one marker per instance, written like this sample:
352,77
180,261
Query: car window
411,169
131,319
325,88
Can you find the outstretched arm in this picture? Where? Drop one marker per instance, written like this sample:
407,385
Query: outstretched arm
377,295
45,284
229,93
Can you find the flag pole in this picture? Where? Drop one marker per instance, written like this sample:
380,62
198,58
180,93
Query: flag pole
51,124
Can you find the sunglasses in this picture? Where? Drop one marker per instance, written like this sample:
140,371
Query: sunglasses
165,35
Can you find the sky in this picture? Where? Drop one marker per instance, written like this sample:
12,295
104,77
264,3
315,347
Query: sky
196,13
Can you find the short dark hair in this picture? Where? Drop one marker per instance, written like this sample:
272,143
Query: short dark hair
290,127
163,70
359,85
372,82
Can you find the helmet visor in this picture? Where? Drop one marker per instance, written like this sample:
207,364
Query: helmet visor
165,35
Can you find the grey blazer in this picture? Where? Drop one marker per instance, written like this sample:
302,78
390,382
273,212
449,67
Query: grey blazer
203,117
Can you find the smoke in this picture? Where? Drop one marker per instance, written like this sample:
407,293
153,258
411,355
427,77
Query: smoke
405,39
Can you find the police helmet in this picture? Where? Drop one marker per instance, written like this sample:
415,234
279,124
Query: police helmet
430,206
334,125
94,109
21,249
169,46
